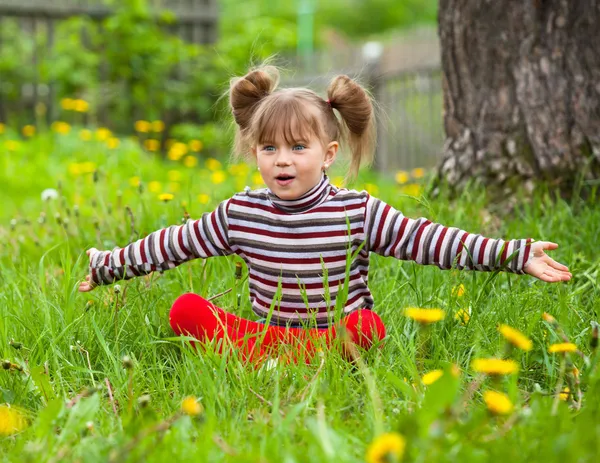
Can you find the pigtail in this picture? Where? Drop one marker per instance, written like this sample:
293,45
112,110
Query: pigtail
358,119
245,94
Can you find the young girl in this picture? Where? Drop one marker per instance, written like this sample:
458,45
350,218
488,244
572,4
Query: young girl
300,230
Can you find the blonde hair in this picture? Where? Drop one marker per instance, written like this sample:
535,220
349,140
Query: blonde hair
264,113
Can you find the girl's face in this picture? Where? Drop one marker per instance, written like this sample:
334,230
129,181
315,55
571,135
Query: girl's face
290,170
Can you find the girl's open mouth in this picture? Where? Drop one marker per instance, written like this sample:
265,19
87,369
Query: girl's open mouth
284,179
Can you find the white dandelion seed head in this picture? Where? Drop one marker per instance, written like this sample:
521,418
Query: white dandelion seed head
49,193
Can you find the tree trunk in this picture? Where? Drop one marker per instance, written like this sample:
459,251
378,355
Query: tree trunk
521,83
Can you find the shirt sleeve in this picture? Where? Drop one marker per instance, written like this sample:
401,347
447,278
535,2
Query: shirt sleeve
390,233
165,249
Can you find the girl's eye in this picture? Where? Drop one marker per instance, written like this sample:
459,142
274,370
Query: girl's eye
269,148
298,147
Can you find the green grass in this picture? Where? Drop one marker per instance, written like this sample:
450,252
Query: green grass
330,410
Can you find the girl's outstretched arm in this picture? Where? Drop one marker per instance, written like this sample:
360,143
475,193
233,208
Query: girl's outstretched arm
162,250
390,233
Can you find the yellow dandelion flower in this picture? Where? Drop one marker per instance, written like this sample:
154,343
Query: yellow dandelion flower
154,186
493,366
87,167
166,197
174,175
203,198
28,130
218,177
74,169
196,145
549,318
401,177
388,447
2,127
85,134
81,106
190,161
565,394
103,134
458,291
67,104
213,164
515,337
257,178
190,406
412,189
425,316
113,143
177,151
338,181
463,316
372,189
151,144
497,402
575,372
135,181
431,377
174,187
61,127
562,347
419,172
12,145
158,126
142,126
12,420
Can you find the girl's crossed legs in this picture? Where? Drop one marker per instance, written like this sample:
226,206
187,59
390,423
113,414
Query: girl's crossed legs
194,315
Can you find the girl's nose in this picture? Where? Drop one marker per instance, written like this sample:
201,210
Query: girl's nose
284,159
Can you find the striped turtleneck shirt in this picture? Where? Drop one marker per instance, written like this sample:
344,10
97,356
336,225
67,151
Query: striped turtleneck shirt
300,252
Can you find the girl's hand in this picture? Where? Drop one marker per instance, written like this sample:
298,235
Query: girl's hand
88,284
542,266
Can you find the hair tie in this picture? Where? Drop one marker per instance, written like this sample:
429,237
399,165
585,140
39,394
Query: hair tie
328,101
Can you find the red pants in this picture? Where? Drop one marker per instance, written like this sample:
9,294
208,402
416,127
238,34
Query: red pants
194,315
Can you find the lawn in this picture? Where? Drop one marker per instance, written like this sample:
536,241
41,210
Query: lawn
101,377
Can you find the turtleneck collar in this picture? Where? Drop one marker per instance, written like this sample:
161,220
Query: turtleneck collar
313,197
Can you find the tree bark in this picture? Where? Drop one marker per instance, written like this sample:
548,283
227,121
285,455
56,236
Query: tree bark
521,83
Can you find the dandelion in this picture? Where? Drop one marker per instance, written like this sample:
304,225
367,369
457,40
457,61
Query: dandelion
67,104
166,197
28,130
515,337
154,186
142,126
401,177
60,127
257,178
49,193
81,106
85,134
12,420
213,164
431,377
191,407
152,144
372,189
549,319
177,151
196,145
135,181
463,316
103,134
412,189
458,291
418,172
113,143
388,447
565,394
218,177
425,316
203,198
495,366
158,126
190,161
562,347
497,402
87,167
